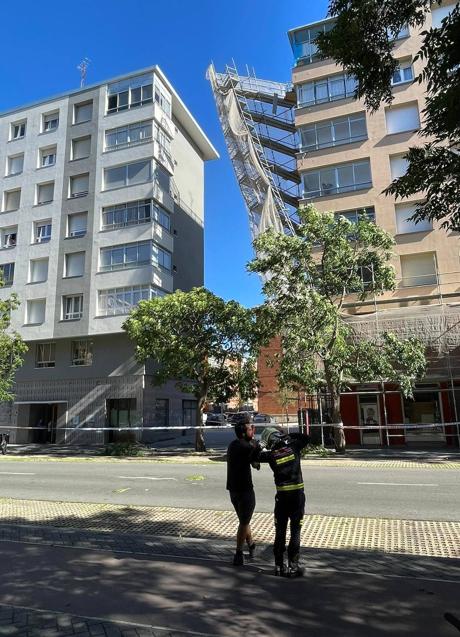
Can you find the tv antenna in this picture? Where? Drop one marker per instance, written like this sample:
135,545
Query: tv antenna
82,67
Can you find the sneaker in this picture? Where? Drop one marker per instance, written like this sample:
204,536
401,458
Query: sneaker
238,559
252,550
281,570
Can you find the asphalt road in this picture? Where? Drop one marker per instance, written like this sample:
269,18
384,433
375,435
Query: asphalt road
425,494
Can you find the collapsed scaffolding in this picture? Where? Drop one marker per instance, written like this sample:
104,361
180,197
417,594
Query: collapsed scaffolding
257,118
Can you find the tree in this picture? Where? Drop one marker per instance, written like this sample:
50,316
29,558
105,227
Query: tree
205,344
362,41
308,278
12,348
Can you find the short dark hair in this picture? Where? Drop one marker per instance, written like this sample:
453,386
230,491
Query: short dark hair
241,424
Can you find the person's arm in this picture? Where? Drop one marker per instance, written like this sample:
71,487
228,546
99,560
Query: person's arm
300,440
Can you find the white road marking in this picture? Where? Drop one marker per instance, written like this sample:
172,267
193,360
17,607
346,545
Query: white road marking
15,473
400,484
144,478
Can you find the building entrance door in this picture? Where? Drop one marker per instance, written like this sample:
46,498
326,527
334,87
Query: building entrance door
424,408
43,416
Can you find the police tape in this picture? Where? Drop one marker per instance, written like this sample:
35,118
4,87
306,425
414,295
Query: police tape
205,427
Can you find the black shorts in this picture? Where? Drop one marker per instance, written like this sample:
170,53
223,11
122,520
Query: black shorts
244,503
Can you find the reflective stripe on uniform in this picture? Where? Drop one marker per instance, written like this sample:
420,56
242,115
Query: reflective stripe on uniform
285,459
290,487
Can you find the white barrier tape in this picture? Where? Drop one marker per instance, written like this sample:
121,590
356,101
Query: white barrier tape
231,426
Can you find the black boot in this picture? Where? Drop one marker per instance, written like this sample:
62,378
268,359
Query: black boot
238,559
252,550
281,570
294,569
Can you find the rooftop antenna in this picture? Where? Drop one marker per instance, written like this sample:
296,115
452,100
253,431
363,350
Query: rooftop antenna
82,67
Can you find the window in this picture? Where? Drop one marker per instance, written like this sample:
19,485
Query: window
129,93
15,165
11,200
303,42
45,193
336,179
161,257
353,215
81,147
333,132
74,264
77,224
439,13
48,156
403,223
36,310
82,112
122,300
402,118
72,307
161,413
128,135
38,271
327,89
50,121
403,73
130,255
402,33
189,408
45,355
418,269
121,412
133,213
42,232
9,237
81,353
398,166
7,274
79,185
18,130
128,175
162,97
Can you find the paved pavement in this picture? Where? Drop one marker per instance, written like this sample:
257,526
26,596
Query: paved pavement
412,537
87,581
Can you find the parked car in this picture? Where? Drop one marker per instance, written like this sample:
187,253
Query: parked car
264,418
238,416
216,419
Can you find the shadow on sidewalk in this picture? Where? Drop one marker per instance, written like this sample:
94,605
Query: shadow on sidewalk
352,600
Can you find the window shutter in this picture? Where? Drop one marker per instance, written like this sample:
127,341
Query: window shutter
402,118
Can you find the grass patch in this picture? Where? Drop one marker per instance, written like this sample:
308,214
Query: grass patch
195,477
316,450
123,449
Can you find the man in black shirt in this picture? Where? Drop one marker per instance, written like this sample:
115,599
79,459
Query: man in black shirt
241,454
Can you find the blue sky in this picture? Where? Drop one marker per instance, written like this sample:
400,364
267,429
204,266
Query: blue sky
44,43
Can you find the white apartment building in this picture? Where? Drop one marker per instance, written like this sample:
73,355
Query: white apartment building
102,205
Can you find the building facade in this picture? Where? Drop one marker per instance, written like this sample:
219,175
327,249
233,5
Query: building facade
345,158
102,205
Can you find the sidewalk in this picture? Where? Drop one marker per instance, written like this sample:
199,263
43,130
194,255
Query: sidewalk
64,582
396,457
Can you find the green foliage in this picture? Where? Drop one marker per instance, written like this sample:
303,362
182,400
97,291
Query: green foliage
123,449
207,345
362,41
12,348
316,450
308,278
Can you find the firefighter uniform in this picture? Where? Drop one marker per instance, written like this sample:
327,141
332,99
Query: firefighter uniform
283,455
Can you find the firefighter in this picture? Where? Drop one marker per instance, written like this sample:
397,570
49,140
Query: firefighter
282,452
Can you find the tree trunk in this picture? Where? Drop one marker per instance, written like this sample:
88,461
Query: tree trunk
339,435
199,438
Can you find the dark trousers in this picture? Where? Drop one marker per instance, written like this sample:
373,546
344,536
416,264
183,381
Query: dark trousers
288,506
